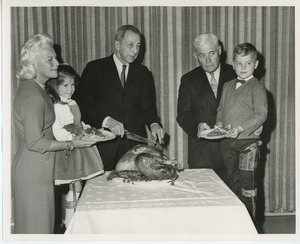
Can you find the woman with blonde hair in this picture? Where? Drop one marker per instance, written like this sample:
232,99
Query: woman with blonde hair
33,165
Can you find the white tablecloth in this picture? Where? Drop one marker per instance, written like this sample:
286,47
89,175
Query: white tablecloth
198,203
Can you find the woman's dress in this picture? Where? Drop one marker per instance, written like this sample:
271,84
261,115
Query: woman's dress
33,166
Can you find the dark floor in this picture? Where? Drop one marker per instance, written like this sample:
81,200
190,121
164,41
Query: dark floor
283,224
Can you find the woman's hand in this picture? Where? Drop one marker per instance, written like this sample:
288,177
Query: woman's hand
81,141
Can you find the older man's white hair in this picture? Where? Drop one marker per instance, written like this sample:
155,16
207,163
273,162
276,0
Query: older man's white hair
205,38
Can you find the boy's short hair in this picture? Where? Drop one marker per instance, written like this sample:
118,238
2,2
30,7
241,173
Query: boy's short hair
244,49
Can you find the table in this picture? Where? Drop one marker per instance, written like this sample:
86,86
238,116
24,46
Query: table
198,203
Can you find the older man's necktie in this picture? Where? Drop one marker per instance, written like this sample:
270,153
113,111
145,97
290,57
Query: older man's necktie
214,84
123,77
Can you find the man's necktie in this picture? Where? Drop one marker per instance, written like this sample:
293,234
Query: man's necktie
214,84
123,78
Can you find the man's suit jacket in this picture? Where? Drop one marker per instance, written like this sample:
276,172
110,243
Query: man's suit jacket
100,94
197,103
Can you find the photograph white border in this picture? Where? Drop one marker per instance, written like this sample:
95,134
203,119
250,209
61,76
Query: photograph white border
6,122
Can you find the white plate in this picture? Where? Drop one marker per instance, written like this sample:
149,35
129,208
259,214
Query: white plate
204,134
108,135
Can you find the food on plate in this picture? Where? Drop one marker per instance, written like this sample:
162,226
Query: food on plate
94,131
78,129
145,163
217,132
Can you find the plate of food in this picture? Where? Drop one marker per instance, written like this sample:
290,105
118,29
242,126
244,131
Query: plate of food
215,133
100,134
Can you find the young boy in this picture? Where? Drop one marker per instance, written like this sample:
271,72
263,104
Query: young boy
243,106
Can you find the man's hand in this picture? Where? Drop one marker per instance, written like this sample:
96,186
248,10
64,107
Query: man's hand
157,132
202,127
115,126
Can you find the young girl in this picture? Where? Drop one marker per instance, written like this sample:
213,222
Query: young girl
81,163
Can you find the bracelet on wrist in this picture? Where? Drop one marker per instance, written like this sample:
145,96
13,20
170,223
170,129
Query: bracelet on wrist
70,147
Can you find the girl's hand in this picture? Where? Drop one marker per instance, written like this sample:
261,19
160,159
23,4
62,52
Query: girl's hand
85,126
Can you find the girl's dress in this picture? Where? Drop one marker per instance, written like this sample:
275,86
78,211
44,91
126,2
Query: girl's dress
81,163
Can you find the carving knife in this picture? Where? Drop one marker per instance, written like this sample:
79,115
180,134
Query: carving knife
135,137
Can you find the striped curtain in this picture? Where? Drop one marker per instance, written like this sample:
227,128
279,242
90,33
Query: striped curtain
82,34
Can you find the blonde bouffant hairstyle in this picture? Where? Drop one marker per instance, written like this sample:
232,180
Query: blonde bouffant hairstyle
26,69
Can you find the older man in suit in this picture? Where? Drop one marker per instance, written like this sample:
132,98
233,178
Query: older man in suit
118,93
198,100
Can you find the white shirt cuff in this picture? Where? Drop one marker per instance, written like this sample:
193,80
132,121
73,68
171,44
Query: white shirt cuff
104,123
154,124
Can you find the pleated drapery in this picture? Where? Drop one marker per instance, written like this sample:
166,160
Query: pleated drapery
82,34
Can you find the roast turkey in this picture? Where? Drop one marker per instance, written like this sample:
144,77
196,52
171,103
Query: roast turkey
145,163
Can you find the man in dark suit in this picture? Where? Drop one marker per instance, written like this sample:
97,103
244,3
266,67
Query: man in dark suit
198,100
118,93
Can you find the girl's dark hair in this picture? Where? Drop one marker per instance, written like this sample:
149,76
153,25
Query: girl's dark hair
64,70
